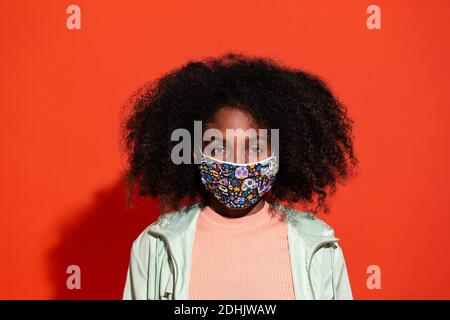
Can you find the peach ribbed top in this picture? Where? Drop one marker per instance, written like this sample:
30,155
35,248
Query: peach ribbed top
240,258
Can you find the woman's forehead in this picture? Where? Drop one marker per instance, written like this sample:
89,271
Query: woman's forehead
230,117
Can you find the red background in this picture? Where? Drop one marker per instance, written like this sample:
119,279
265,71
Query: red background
61,166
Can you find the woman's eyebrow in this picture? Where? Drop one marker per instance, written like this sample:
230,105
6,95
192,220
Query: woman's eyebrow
248,138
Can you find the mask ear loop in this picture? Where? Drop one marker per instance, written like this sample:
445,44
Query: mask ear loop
198,156
273,156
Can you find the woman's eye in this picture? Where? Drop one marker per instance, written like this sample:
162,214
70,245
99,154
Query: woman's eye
256,149
219,150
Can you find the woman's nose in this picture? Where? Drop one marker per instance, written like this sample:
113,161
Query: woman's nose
240,157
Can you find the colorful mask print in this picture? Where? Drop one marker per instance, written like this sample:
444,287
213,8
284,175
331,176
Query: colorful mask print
238,185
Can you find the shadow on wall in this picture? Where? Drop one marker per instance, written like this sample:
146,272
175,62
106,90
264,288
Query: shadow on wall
99,242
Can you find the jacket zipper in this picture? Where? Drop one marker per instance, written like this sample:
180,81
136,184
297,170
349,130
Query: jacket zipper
171,258
320,244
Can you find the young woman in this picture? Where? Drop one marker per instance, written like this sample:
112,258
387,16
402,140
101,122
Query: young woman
230,226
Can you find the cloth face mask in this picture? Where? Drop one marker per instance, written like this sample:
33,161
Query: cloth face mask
238,185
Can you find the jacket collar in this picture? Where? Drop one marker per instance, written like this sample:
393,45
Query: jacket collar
175,223
305,225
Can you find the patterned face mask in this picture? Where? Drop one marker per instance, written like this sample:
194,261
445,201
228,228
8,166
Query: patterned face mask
238,185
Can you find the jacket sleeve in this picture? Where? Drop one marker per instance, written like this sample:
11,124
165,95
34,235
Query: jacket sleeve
136,279
341,280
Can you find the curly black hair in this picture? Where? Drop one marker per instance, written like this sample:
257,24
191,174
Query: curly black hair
315,132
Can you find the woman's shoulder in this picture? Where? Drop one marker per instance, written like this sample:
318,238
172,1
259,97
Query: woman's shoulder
167,224
306,221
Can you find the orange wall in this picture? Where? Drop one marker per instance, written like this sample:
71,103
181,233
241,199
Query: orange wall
62,200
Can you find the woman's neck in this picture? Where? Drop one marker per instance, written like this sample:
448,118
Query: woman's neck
234,213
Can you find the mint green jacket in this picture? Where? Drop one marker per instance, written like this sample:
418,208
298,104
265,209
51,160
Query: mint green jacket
160,260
